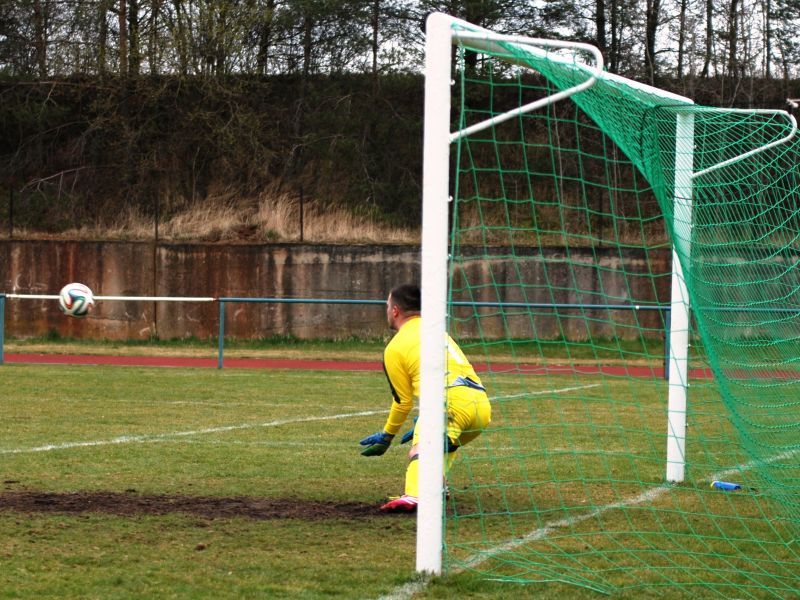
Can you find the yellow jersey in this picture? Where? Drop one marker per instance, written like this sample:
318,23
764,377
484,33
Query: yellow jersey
401,363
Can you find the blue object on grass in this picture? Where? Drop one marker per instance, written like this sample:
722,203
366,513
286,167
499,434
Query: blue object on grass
725,485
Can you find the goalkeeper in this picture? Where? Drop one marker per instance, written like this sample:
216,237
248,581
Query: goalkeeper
468,409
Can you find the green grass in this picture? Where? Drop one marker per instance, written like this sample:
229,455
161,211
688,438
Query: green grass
550,478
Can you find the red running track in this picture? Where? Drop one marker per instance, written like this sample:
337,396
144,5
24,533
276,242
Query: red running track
327,365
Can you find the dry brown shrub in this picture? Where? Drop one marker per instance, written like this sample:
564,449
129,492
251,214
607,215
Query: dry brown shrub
272,216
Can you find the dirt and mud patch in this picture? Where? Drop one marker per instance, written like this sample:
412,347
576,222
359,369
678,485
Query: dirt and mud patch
132,503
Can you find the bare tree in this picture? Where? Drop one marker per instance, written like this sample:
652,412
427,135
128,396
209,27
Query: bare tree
613,58
375,25
733,38
265,24
102,36
218,37
600,25
767,16
40,18
308,42
123,37
681,38
179,27
154,40
652,10
134,43
709,14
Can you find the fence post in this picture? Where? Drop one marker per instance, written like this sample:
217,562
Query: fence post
667,324
2,326
221,332
302,212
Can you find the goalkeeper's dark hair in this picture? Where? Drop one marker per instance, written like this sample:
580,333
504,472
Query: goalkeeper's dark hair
406,297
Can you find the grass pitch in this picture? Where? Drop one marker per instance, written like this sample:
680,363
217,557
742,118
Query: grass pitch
201,435
197,483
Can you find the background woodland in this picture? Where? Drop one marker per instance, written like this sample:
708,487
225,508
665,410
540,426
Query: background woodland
115,111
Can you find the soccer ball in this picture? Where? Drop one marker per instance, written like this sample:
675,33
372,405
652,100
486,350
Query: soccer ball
75,300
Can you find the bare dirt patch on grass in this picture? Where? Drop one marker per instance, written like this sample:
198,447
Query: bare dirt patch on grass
132,504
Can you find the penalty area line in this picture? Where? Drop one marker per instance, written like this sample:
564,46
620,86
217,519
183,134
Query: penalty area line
135,439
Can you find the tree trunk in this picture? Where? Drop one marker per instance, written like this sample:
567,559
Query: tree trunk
40,41
153,54
709,37
308,30
600,25
265,38
123,38
768,39
613,58
681,38
134,55
733,38
181,41
102,36
220,30
651,27
376,10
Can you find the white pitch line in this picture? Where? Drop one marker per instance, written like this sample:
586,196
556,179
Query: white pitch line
753,463
265,444
543,392
410,589
407,590
543,532
133,439
224,404
646,496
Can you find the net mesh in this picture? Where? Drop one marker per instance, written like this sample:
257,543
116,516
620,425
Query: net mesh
563,225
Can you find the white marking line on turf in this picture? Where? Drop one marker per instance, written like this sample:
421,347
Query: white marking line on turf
407,590
226,404
646,496
262,444
134,439
543,392
410,589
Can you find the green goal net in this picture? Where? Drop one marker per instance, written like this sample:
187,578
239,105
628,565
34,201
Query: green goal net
611,249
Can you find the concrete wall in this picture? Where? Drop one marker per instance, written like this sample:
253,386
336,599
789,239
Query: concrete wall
313,271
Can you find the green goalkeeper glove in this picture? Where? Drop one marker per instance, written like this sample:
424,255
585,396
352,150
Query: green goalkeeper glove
377,443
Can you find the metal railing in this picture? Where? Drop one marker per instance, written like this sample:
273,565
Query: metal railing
223,301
